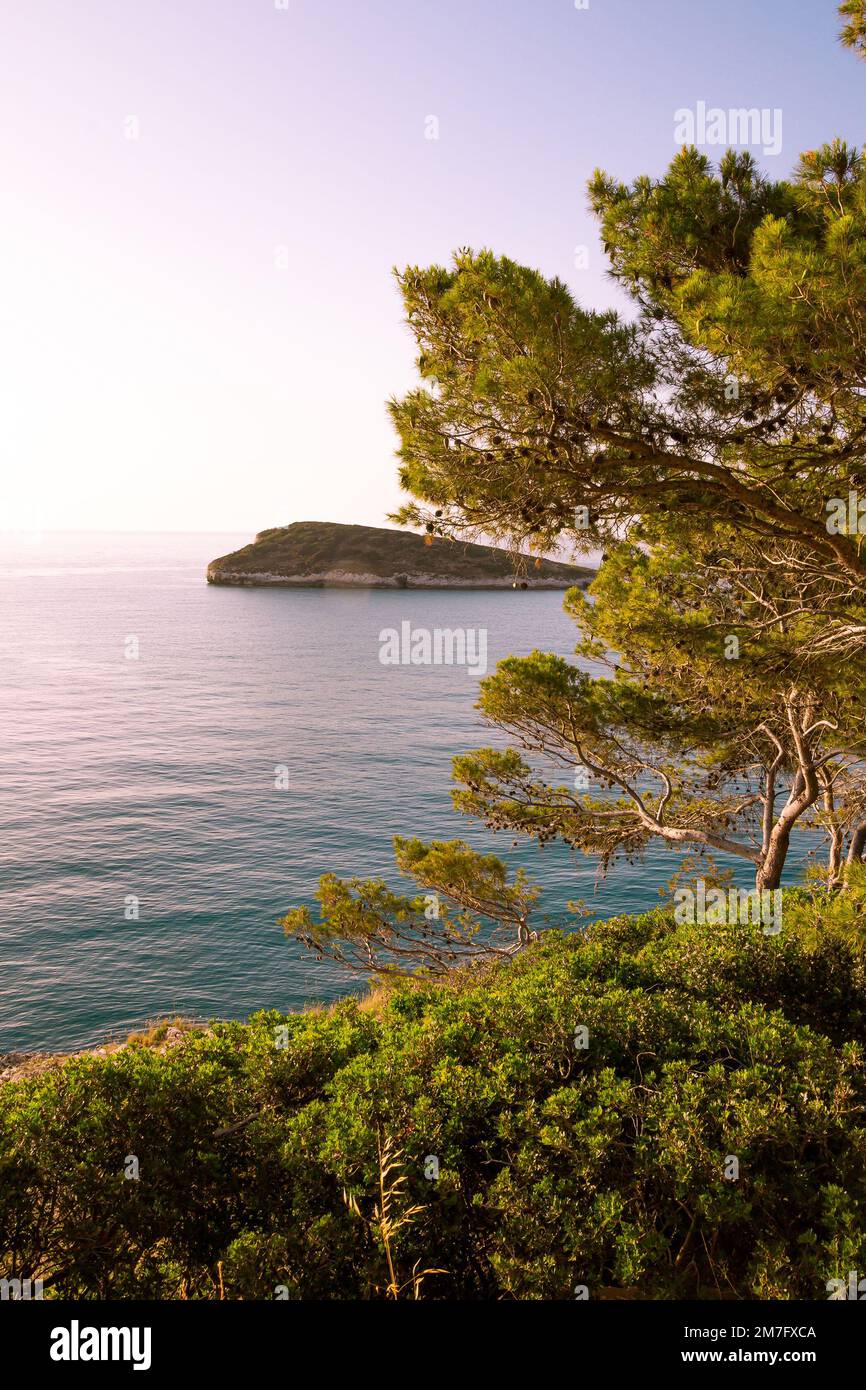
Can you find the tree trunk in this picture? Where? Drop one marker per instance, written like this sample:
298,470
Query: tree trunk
805,791
858,844
837,835
769,873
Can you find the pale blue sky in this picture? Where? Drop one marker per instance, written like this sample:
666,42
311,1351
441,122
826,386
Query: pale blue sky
160,370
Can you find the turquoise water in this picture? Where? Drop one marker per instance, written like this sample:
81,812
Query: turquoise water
154,778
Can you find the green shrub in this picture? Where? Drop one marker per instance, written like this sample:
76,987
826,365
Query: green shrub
558,1165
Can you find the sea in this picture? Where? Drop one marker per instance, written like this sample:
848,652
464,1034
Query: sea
181,763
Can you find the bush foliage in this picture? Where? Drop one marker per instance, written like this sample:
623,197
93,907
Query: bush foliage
262,1145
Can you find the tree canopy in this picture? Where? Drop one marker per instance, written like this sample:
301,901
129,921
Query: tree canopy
735,394
854,31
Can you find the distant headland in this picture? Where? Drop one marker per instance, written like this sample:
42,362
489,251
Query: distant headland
325,554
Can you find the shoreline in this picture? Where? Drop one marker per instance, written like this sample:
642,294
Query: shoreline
159,1037
341,579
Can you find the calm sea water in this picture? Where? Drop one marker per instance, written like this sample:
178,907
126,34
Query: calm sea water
154,777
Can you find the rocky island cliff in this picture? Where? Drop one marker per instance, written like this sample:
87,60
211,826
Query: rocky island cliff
319,554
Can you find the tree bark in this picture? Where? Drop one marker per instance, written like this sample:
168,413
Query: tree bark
858,844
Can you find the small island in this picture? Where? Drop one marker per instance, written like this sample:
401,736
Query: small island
324,554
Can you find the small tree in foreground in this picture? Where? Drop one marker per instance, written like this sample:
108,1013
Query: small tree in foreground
466,913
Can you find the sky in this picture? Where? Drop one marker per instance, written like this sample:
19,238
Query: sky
203,201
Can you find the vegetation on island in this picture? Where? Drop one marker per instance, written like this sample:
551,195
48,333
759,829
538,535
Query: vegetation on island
307,550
